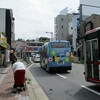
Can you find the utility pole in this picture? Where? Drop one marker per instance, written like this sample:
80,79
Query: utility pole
51,35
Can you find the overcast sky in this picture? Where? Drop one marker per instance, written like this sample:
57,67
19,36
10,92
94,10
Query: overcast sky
33,18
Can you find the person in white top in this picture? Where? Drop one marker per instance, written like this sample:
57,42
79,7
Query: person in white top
19,70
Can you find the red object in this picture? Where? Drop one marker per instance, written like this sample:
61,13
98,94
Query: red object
19,76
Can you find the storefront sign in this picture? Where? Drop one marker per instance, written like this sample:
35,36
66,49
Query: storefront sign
3,41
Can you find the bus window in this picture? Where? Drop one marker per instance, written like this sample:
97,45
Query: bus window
59,45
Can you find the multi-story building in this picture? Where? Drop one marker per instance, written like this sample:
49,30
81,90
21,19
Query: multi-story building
91,22
7,23
61,27
6,29
32,47
26,48
89,19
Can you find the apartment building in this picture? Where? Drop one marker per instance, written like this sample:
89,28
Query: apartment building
61,27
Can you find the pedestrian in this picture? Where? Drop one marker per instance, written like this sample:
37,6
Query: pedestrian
13,57
19,76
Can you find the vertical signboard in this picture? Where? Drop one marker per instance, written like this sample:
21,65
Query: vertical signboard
3,41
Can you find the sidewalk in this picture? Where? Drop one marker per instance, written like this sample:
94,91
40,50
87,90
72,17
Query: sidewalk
33,91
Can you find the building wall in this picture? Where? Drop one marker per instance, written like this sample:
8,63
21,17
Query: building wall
20,45
8,25
95,20
69,16
33,46
61,27
74,21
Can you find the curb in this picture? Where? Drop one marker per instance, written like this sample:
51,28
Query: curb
4,74
35,91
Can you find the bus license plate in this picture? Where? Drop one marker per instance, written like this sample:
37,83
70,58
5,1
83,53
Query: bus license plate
60,62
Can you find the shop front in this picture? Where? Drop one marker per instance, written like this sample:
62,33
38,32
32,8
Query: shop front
3,47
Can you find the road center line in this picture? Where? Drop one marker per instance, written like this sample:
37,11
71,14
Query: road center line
61,75
90,90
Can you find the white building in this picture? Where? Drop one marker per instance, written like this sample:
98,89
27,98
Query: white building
61,27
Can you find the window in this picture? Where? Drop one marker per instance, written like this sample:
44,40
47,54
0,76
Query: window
61,26
59,45
33,44
39,44
62,19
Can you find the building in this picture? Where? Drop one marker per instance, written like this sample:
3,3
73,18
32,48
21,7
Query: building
75,28
61,27
32,47
44,39
7,23
89,19
6,31
92,21
70,28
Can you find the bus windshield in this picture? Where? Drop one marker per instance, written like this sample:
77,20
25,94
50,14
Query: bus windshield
59,45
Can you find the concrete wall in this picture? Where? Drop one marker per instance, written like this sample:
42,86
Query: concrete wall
61,27
95,19
2,20
89,7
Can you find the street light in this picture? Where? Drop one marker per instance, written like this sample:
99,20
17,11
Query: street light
51,35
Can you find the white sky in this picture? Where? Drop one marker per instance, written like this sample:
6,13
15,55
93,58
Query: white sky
33,18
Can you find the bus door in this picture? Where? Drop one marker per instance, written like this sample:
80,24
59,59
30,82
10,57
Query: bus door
95,59
92,59
88,59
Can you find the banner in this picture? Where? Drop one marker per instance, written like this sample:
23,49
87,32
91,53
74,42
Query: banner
3,41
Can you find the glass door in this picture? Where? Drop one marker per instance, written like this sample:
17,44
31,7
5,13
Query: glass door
88,61
95,59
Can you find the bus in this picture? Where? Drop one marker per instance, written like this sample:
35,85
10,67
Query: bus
55,55
92,55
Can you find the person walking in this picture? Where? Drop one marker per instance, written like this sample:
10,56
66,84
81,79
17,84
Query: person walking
19,70
13,57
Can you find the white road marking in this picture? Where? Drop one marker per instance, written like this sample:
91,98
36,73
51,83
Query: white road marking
73,64
90,90
61,75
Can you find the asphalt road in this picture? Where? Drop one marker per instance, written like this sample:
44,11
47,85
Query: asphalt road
66,86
